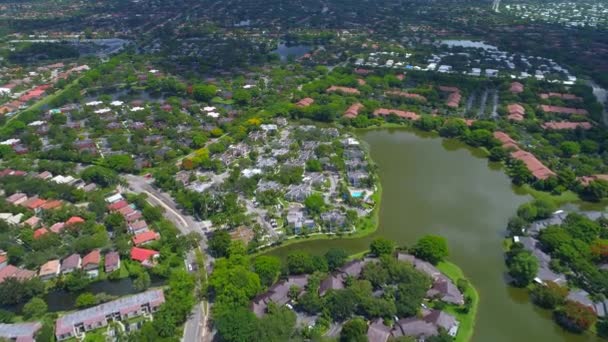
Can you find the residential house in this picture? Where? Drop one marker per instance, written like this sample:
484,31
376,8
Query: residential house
16,198
20,332
278,293
378,332
443,320
90,263
49,270
112,262
145,238
333,219
71,264
77,323
147,257
137,227
298,193
10,271
414,327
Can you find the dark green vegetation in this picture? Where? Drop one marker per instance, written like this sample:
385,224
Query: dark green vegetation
237,279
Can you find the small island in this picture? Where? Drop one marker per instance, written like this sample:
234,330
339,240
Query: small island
384,294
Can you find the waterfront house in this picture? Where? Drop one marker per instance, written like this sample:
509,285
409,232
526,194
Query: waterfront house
112,262
20,332
75,324
71,264
414,327
90,263
10,271
49,270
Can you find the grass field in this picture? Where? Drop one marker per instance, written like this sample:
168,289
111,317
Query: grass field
467,320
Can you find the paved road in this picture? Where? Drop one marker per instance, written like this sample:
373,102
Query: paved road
195,329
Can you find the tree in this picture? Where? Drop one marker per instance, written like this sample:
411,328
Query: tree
241,96
204,92
219,243
35,308
100,175
142,282
527,211
432,248
516,225
300,262
376,274
575,316
354,330
341,304
277,325
85,300
268,269
120,162
6,316
336,258
523,268
549,295
235,324
315,203
382,246
596,190
569,148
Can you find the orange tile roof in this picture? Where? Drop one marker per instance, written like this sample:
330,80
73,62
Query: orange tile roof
555,125
353,110
399,113
144,237
94,257
345,90
74,220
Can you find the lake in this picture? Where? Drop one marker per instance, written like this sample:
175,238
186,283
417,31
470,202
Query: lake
436,186
284,51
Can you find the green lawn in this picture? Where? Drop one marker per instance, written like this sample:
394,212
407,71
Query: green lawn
467,320
558,200
219,100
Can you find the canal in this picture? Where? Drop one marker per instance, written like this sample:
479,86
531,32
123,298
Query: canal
436,186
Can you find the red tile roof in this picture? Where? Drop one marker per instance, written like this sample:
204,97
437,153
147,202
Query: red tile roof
344,90
53,204
57,227
353,110
34,203
538,169
566,125
563,110
74,220
305,102
145,237
406,95
516,88
11,271
506,140
142,254
585,180
118,205
92,258
40,232
569,97
399,113
516,112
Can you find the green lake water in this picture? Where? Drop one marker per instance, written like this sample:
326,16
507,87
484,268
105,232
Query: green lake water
438,186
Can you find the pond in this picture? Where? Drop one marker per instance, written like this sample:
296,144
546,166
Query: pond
61,300
296,51
468,44
435,186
